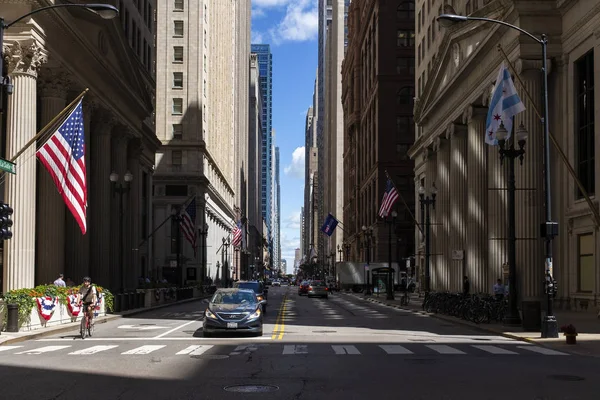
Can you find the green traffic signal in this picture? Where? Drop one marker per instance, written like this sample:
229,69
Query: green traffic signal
5,221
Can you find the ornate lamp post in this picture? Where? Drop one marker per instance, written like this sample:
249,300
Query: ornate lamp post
120,188
427,201
226,244
512,317
549,228
340,251
368,234
203,233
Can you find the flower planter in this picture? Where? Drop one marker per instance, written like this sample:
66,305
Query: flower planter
571,338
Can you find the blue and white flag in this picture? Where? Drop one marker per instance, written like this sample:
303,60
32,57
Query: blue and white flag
329,225
505,104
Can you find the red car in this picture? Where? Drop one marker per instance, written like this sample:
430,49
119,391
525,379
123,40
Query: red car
303,288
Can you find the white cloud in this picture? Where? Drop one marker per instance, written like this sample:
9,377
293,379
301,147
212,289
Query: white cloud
258,13
256,37
296,168
288,249
269,3
293,220
299,24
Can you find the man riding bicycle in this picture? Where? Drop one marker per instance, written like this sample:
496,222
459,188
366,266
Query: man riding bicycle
88,296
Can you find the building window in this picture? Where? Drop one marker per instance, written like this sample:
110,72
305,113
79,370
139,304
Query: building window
404,96
178,54
205,63
585,269
177,106
406,10
584,140
178,80
178,5
405,66
178,28
176,190
177,131
176,157
405,38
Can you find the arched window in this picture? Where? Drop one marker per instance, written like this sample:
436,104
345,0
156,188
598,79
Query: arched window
406,10
405,96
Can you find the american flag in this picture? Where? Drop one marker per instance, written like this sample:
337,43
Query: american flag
389,198
63,157
188,224
237,234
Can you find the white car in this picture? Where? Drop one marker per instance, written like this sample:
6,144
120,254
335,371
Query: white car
276,283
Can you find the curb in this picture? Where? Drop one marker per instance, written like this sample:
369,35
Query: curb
101,320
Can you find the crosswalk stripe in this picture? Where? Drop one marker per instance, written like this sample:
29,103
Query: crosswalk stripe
45,349
493,349
395,349
6,348
144,349
345,349
295,349
93,350
195,350
444,349
543,350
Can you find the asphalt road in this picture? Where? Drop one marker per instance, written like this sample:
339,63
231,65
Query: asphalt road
339,348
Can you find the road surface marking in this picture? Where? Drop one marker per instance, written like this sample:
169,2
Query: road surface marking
543,350
280,322
493,349
6,348
153,339
142,327
395,349
177,328
93,350
443,349
144,349
295,349
195,350
345,349
45,349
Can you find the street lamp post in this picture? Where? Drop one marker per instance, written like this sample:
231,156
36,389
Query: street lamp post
390,283
368,234
549,228
512,317
225,271
427,201
120,188
340,251
105,11
203,232
347,248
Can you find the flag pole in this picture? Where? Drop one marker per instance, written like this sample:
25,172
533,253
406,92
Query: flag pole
164,222
50,124
554,142
406,205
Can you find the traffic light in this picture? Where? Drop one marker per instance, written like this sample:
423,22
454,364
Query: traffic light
5,221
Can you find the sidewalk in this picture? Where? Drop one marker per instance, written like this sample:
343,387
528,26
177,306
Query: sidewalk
587,324
15,337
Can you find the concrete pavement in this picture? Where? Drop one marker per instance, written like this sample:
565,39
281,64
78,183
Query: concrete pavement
340,348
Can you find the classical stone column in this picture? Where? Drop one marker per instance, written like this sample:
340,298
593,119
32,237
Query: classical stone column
457,134
77,249
23,60
119,141
99,198
431,179
133,216
442,211
476,254
50,207
530,203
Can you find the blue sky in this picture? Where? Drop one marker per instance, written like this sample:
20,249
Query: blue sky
290,27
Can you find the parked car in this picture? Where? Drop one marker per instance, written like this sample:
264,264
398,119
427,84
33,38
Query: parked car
318,289
276,283
233,310
303,288
258,288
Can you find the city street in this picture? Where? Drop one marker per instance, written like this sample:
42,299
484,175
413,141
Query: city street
338,348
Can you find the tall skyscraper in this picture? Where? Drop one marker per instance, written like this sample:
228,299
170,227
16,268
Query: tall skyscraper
277,217
265,67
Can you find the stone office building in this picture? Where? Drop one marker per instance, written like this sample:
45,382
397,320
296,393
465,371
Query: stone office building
456,69
49,66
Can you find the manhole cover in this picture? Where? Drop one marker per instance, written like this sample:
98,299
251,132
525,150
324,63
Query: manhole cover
210,356
570,378
324,331
251,388
420,360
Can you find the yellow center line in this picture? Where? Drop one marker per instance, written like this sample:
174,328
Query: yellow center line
279,325
282,322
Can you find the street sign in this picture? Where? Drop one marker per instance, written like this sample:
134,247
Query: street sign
7,166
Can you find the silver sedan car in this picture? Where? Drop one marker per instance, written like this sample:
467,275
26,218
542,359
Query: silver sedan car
318,289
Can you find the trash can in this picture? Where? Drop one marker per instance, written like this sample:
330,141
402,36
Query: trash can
532,316
12,319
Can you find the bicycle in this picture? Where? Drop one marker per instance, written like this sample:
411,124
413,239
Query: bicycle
87,325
